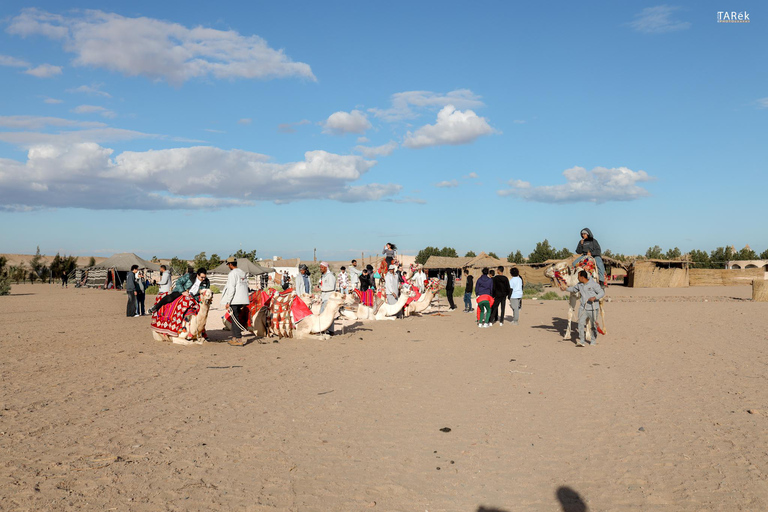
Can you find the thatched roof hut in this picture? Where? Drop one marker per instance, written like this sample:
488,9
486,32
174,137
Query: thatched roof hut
652,273
445,262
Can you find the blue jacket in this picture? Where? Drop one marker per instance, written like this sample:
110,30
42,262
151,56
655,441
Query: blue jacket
483,286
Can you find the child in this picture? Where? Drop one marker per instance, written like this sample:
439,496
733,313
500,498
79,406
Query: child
516,294
343,281
591,293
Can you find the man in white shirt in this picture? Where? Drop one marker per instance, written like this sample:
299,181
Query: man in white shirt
235,294
327,285
392,286
354,275
165,280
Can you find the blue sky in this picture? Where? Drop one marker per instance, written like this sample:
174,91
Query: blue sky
169,128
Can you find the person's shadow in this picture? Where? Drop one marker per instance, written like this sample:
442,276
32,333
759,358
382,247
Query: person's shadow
570,500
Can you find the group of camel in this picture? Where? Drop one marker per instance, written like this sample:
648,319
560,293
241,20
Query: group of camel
316,325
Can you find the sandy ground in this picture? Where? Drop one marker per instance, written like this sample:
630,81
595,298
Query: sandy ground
95,415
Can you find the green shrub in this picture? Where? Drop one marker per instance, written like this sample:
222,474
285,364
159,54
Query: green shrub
458,291
152,290
552,296
5,284
215,289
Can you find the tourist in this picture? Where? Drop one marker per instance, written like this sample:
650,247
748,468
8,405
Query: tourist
420,277
389,253
303,283
500,292
189,284
343,281
354,275
484,285
392,287
365,280
449,288
140,295
64,279
590,293
516,286
130,288
468,291
165,280
235,296
588,246
327,285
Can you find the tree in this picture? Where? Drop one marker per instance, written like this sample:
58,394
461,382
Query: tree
745,254
542,252
32,276
719,256
470,254
608,254
5,277
92,262
155,259
563,254
673,254
200,261
19,273
424,254
56,266
493,255
247,255
764,255
449,252
654,253
36,263
179,266
700,259
214,261
517,257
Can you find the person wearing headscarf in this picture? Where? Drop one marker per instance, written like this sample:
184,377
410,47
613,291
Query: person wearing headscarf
303,283
588,246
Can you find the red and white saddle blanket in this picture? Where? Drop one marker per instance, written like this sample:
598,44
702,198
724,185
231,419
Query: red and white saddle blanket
366,297
286,310
256,300
169,320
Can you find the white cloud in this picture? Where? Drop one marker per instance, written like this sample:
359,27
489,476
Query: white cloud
762,103
373,152
340,123
658,20
245,121
403,101
363,140
452,127
211,130
44,71
599,185
158,49
13,62
87,175
53,101
94,109
473,175
447,184
289,127
94,90
41,122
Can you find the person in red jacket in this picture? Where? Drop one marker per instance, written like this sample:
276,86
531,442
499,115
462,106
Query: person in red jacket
484,304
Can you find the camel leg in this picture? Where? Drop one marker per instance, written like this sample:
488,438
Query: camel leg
602,318
571,306
160,337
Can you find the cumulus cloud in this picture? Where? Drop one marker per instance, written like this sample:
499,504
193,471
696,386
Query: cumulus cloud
453,127
340,123
473,175
13,62
599,185
94,89
158,49
405,104
373,152
44,71
88,175
658,20
447,184
94,109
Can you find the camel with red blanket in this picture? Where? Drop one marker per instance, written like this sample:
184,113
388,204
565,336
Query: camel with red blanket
258,304
182,321
564,273
290,317
423,302
385,311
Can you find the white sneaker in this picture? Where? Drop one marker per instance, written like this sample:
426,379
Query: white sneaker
501,323
134,316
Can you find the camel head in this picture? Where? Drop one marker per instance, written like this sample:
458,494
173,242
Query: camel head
206,296
559,272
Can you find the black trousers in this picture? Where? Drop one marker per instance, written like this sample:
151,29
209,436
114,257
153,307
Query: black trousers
140,296
449,294
236,331
498,302
130,309
167,299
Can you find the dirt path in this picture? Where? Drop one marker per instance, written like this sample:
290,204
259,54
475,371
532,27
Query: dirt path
95,415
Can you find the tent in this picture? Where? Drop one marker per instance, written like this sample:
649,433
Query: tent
245,265
111,272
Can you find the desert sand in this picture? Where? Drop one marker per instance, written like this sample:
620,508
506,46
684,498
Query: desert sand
668,412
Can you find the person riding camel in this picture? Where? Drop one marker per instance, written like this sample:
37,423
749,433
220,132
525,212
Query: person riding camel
588,246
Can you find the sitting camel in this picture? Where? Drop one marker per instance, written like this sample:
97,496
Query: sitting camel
192,331
385,311
312,326
425,300
564,273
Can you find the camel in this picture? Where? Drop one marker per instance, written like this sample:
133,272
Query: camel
385,312
192,331
311,327
425,300
564,273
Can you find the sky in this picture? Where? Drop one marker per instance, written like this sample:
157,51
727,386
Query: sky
171,128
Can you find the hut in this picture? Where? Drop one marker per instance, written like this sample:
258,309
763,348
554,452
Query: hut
650,273
437,266
218,275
